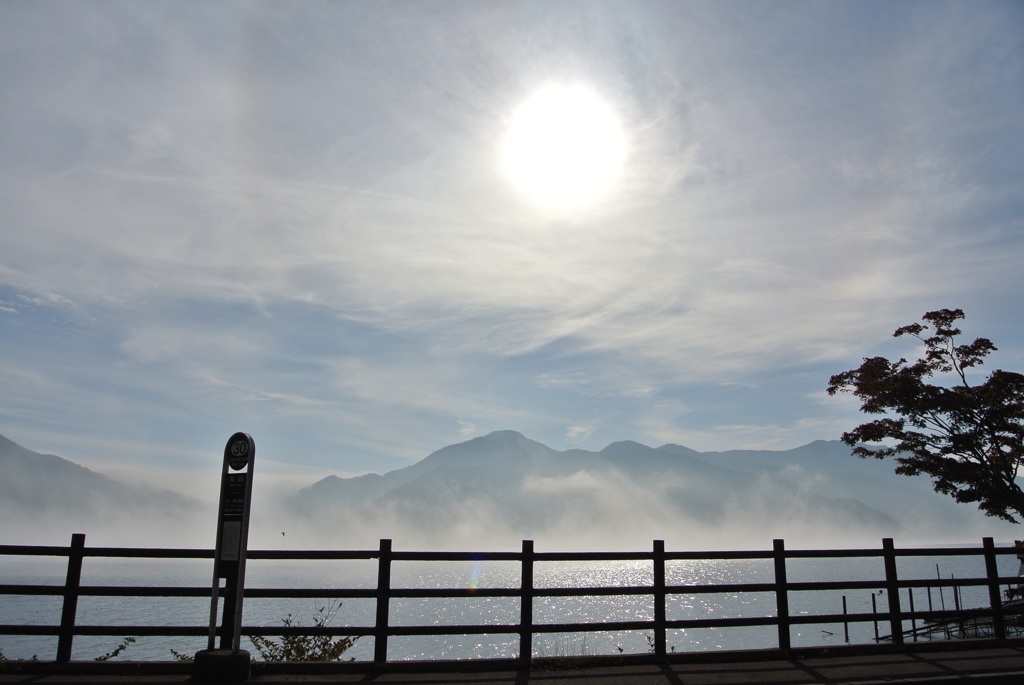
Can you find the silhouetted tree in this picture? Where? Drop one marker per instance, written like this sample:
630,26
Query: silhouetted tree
969,439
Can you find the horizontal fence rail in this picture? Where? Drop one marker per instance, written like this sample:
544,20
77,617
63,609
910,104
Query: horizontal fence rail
998,619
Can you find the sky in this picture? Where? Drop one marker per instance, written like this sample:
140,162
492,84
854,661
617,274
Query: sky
308,221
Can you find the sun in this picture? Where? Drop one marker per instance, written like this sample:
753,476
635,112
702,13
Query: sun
563,148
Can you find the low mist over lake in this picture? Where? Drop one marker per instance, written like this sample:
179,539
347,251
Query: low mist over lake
491,492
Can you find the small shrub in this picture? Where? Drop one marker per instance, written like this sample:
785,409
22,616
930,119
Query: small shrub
650,644
306,647
564,655
3,657
116,650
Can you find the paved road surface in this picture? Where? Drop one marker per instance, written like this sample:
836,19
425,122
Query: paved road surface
976,666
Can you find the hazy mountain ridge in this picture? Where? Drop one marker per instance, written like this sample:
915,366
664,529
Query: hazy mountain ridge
492,491
44,491
47,482
506,486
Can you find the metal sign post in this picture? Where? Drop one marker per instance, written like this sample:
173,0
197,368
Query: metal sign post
232,539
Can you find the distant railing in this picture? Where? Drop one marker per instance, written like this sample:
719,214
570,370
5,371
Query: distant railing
996,617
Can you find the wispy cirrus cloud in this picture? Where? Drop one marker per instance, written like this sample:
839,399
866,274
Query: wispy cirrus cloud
293,217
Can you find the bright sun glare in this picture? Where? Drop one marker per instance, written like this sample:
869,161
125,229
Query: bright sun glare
563,148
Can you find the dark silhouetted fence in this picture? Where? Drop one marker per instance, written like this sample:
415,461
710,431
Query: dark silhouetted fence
995,617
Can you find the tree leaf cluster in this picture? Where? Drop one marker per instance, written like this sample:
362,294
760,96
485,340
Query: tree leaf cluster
968,438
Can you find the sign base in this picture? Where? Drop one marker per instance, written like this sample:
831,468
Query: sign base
221,666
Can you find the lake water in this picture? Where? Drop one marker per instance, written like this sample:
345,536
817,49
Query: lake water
407,612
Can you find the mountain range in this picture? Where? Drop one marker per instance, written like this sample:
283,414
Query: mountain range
45,498
494,490
504,486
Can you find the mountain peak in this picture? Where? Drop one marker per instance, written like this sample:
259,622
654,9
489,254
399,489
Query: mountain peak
503,435
625,448
672,448
496,446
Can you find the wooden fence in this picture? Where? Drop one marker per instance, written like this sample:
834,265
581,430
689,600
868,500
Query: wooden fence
996,616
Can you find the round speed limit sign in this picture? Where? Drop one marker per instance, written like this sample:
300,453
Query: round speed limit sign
238,454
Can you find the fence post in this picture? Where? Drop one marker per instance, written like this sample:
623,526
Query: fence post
526,606
659,598
913,619
781,593
994,596
874,615
846,624
70,607
892,589
380,636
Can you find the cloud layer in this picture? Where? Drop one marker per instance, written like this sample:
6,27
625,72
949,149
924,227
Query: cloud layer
291,220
